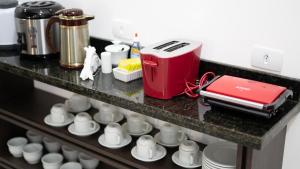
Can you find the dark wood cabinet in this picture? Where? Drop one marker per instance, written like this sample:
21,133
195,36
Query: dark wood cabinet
23,107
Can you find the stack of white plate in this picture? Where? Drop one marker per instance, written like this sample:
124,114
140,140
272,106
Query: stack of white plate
219,156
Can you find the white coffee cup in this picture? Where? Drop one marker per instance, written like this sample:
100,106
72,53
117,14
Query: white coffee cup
71,165
83,123
189,152
34,137
51,146
52,161
59,113
77,103
113,134
69,153
135,123
32,153
107,112
87,161
169,133
146,147
15,146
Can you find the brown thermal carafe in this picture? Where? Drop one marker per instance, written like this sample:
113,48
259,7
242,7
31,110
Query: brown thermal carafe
74,36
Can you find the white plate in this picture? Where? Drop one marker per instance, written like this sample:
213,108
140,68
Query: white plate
161,152
48,121
206,166
147,129
72,130
221,154
118,118
179,139
124,142
175,159
210,165
70,109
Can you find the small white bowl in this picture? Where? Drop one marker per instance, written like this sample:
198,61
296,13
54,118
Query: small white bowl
118,52
52,161
34,137
87,161
15,146
51,146
71,165
69,153
32,153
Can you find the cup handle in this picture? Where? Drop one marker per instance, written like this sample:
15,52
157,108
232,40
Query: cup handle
119,139
182,135
112,117
67,104
93,123
151,153
191,159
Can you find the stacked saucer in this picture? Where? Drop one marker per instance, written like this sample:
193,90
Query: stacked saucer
219,155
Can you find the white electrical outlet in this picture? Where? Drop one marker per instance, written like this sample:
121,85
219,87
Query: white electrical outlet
122,30
267,58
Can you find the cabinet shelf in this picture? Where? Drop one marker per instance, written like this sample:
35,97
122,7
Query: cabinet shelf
10,162
34,106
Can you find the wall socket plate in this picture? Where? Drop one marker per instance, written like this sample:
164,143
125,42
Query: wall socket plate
123,30
267,58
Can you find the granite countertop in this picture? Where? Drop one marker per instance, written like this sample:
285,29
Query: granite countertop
251,131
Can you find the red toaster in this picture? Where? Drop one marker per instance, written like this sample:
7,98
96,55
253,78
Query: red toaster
168,65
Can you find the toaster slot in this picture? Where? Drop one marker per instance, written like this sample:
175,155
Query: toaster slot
165,45
175,47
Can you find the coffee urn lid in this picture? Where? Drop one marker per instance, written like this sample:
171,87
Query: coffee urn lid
6,4
37,9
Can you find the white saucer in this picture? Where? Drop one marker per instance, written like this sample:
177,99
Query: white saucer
69,109
72,130
118,118
147,129
48,121
161,152
127,139
179,141
175,159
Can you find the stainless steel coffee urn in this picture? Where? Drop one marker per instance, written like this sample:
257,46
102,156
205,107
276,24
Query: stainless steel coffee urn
74,36
31,20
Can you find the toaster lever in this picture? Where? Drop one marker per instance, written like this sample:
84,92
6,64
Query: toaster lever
149,63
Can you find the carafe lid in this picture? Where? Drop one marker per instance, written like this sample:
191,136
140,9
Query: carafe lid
72,12
6,4
37,9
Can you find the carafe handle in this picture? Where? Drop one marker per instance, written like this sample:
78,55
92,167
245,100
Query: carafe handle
51,21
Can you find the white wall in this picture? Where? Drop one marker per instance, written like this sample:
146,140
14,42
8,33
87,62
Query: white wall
228,29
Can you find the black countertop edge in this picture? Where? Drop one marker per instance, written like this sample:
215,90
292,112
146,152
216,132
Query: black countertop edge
278,126
188,122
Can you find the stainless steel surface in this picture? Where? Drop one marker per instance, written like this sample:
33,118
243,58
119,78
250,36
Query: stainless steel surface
232,100
73,40
32,36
